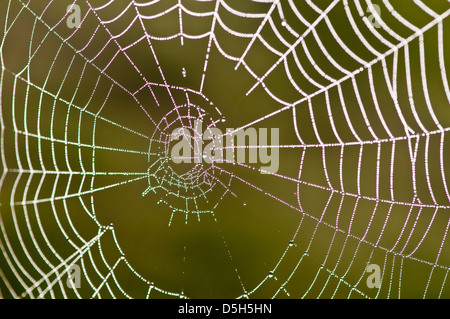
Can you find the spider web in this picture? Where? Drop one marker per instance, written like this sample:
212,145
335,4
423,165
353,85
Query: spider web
360,95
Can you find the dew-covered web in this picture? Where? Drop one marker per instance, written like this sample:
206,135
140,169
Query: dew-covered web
358,90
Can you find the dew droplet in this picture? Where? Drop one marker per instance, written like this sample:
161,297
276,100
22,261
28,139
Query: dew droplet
270,275
283,23
183,72
291,243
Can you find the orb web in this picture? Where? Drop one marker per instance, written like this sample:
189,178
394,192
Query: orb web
358,89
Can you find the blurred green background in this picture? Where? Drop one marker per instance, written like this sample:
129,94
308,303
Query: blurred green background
72,110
